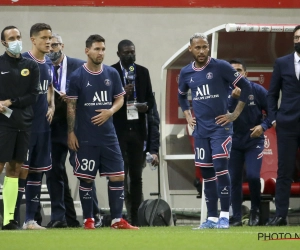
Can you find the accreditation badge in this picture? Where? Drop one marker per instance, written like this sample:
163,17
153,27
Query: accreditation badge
132,112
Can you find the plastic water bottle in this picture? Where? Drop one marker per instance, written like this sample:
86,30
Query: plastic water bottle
149,159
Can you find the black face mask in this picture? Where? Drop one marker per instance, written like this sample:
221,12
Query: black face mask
297,47
128,59
54,56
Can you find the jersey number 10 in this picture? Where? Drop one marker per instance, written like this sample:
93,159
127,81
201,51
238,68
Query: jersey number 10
200,153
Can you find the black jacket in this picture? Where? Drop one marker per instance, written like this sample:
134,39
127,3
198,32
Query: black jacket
153,141
144,94
284,79
19,80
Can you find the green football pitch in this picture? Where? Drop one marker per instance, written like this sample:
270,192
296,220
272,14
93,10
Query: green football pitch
178,237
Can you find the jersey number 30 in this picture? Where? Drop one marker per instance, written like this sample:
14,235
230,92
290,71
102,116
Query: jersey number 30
86,164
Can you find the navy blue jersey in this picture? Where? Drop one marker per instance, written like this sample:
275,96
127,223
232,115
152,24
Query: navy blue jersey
251,115
210,87
40,108
93,91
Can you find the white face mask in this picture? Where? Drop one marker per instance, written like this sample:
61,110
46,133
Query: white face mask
15,47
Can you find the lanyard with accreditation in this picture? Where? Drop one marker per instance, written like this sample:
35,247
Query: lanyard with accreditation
56,81
132,112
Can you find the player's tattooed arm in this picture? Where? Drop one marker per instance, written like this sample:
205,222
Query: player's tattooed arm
238,110
230,117
71,114
51,105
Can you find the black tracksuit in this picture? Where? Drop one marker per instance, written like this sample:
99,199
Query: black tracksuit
19,79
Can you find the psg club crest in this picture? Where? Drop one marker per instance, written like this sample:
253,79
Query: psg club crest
107,82
209,75
261,79
251,97
267,142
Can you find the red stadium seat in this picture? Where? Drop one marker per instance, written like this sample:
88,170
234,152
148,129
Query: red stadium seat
295,189
270,186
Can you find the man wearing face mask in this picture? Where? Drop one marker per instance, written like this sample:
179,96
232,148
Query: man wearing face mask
286,121
130,121
19,81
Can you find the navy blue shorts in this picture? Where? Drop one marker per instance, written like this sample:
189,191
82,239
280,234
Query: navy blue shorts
39,152
105,159
208,149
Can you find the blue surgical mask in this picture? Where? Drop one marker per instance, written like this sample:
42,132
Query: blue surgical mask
15,47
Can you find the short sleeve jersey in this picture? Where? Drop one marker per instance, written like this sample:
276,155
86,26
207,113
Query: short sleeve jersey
209,87
40,108
94,91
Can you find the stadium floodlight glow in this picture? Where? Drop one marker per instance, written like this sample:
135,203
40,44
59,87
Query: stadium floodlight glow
234,27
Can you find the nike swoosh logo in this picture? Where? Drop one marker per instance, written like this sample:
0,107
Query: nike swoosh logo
2,73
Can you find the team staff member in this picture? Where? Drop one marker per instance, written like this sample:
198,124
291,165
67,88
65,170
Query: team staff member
130,122
19,80
63,213
247,147
286,120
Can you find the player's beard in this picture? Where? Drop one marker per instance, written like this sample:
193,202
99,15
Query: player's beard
202,61
96,62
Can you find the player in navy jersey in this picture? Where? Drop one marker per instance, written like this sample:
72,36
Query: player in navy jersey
94,94
247,147
209,80
39,152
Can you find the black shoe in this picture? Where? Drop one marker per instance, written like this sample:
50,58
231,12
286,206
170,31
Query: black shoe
57,224
277,221
12,225
235,223
253,218
97,220
74,224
